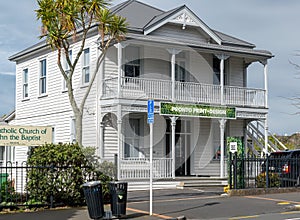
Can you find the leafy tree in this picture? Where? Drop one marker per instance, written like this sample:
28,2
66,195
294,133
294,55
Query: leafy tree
67,21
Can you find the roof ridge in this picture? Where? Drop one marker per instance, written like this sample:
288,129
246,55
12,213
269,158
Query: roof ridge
125,4
166,12
121,6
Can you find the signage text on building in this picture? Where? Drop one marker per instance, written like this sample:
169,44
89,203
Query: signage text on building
15,135
197,110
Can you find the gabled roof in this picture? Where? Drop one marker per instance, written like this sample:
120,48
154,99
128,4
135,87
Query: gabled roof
144,19
7,118
137,14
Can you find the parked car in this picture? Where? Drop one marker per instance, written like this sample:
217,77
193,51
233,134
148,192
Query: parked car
287,165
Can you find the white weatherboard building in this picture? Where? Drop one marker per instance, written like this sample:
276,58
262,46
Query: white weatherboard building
197,75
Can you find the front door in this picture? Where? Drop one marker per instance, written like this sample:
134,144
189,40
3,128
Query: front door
182,146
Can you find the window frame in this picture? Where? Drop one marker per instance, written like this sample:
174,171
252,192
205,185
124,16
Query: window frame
43,77
135,65
25,83
86,66
67,69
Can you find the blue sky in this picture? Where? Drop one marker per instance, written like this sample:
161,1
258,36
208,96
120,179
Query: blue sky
269,24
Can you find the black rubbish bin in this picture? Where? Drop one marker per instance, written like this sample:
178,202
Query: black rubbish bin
118,192
94,199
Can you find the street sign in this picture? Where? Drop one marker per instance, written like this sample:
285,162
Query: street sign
233,147
150,111
150,122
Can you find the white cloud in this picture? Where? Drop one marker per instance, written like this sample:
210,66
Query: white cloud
8,73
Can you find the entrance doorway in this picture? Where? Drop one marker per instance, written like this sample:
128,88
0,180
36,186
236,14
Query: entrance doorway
182,146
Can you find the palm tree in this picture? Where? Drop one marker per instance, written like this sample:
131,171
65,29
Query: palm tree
67,21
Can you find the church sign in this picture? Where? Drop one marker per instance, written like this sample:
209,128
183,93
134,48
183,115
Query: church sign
15,135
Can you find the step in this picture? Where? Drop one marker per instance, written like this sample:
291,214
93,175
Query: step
145,185
178,183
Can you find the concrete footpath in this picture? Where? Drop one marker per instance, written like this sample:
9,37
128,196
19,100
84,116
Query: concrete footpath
188,203
138,206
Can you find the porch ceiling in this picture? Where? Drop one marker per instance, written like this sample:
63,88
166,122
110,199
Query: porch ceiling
250,54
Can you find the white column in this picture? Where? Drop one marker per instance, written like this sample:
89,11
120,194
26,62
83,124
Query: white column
266,135
266,82
173,63
120,56
222,80
101,140
100,93
222,147
173,52
120,138
173,133
266,129
222,58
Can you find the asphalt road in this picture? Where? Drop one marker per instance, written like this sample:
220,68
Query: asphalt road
192,203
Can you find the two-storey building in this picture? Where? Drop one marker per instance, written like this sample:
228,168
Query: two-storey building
196,76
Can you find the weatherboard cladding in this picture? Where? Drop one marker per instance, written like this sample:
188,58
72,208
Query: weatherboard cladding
141,16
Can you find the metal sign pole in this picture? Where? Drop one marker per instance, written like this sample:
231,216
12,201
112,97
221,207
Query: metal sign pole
151,167
150,122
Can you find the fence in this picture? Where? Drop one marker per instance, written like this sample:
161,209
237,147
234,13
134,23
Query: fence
263,172
139,168
42,186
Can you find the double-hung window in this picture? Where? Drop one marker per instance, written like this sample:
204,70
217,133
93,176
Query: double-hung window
86,66
133,64
43,77
25,83
67,68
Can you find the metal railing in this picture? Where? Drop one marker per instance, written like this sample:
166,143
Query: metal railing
143,88
263,172
18,189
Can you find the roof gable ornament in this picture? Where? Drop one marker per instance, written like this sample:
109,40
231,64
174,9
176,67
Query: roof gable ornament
182,15
184,19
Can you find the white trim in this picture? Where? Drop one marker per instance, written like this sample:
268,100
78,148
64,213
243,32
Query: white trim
84,66
39,77
194,21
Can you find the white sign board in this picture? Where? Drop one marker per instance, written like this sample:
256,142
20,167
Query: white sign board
233,147
16,135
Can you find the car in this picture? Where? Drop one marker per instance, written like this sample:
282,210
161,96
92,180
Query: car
287,165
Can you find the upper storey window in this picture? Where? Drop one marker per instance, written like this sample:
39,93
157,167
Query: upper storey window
25,83
43,77
86,66
132,67
67,68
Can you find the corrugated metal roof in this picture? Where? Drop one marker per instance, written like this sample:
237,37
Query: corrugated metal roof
137,14
141,16
229,40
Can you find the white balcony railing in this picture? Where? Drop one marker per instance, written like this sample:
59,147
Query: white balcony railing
141,88
139,168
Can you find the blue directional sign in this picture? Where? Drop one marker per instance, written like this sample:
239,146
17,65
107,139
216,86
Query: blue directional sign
150,111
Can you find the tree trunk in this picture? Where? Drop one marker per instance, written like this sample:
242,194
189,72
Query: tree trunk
78,126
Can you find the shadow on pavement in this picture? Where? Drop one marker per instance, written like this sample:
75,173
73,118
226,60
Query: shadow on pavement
59,214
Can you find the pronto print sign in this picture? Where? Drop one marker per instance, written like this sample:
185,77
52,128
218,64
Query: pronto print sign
24,135
205,111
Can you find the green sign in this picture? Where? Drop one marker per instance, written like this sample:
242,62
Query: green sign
205,111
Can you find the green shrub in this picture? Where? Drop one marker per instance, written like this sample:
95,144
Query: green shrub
59,172
274,180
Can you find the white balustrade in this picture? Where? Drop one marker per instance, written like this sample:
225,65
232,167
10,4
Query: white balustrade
139,168
142,88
